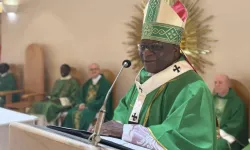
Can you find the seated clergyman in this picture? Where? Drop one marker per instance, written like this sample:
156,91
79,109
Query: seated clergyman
89,101
230,112
61,98
7,83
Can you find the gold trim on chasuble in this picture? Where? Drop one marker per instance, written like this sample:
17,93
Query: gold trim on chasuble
92,92
155,96
217,128
148,111
151,133
77,118
147,114
154,83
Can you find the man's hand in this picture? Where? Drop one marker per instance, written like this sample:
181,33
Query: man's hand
47,98
81,107
111,128
218,133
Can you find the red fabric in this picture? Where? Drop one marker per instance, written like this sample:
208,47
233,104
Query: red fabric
180,9
190,64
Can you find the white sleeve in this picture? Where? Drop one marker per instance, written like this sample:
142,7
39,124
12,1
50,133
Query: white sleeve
229,138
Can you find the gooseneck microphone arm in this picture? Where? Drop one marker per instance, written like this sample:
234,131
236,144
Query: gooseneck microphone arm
95,137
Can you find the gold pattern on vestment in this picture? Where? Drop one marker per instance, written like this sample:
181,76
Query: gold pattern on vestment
92,92
77,118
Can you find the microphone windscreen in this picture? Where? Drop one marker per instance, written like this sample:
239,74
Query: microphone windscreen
126,63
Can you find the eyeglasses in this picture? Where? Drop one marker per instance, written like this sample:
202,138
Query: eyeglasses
154,47
93,69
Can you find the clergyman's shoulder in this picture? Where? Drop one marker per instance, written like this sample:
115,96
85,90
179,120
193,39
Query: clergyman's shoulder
193,81
73,80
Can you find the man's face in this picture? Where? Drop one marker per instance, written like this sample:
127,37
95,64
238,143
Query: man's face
4,68
1,69
221,85
156,56
94,71
65,71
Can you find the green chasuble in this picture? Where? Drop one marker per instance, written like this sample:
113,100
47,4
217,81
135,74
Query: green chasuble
231,114
93,97
179,114
8,83
63,88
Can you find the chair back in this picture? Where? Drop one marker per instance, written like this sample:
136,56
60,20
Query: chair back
17,71
244,94
76,74
34,73
110,76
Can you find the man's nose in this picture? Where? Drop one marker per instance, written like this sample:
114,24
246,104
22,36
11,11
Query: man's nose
147,52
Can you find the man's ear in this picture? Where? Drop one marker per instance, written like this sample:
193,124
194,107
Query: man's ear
213,92
177,52
177,48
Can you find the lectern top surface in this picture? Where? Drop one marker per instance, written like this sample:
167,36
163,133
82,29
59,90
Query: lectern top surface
8,116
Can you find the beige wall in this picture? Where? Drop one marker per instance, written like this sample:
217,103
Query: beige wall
79,32
231,28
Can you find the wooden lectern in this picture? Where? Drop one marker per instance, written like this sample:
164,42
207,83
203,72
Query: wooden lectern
28,137
24,137
7,117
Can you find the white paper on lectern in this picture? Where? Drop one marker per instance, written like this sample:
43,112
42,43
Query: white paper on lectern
65,101
124,143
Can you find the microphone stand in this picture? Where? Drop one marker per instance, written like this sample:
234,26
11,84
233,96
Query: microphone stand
95,137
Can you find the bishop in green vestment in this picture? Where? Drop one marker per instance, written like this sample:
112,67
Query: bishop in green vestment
7,83
231,113
169,106
62,97
89,101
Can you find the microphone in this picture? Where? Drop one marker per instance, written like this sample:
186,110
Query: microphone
126,63
95,137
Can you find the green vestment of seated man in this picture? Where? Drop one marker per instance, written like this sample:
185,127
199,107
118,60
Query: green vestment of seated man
89,101
231,113
7,83
61,99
